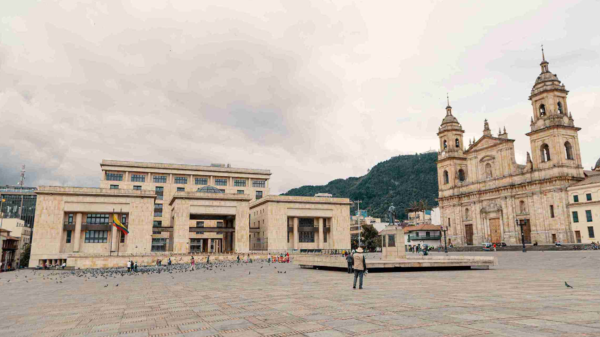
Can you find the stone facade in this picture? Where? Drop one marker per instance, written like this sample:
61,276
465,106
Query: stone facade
301,222
584,207
62,222
483,192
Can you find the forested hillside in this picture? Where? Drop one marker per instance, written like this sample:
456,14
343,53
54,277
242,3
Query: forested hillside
398,180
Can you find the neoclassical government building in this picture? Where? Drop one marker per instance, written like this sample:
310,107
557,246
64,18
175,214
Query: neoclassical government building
483,191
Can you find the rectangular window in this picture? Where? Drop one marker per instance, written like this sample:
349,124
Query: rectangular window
201,181
591,232
124,219
159,244
575,217
96,236
259,183
180,189
160,179
114,176
240,191
97,219
158,210
69,233
259,195
181,180
588,197
426,234
552,211
588,215
200,224
114,187
122,237
239,183
306,237
220,182
138,178
70,221
222,190
137,188
575,198
159,192
156,224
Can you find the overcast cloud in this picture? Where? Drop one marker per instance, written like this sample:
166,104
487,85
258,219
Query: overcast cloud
313,91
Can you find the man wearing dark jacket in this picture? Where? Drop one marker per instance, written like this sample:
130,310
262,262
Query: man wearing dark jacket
360,267
350,261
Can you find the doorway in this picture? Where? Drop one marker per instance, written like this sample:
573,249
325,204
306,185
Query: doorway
496,234
469,234
527,231
553,238
578,236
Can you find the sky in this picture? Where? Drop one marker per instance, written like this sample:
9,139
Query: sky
311,90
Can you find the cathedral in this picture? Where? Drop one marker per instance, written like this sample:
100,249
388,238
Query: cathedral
484,193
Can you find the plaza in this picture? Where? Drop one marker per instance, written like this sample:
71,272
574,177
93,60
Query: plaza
525,295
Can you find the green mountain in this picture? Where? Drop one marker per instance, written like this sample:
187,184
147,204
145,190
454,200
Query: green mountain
398,180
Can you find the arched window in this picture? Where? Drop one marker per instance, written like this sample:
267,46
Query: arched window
461,175
545,152
522,208
488,171
446,179
542,110
457,143
560,109
445,144
467,216
569,150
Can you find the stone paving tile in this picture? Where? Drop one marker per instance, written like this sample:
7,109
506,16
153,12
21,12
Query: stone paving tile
523,296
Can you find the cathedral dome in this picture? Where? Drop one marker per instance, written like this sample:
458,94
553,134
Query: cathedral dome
449,119
597,167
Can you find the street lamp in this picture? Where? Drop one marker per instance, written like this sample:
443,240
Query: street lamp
522,223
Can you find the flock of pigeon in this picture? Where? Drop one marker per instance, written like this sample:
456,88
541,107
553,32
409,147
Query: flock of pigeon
58,276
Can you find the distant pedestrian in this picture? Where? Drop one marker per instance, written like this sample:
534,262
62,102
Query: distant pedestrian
208,259
494,247
238,258
269,258
287,257
169,261
193,264
135,267
350,261
129,266
360,267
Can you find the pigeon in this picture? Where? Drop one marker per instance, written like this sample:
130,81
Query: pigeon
568,286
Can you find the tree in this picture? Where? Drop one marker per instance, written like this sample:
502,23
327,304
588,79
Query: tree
25,254
370,238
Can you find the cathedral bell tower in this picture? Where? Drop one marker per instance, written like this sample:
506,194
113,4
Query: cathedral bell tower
553,137
452,167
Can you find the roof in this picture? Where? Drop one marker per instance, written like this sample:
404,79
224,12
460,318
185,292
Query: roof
597,166
304,200
88,191
593,179
187,167
423,227
209,189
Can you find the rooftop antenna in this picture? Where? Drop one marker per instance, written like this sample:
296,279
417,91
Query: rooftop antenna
22,180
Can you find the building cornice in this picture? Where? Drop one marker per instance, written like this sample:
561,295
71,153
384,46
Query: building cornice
92,191
210,196
109,164
302,200
552,127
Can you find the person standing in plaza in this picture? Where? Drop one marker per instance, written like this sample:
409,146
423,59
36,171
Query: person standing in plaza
135,267
192,264
360,267
129,266
350,261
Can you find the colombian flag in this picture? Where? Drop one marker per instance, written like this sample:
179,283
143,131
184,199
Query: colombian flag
119,225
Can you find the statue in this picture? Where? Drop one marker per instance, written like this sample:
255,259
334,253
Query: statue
391,214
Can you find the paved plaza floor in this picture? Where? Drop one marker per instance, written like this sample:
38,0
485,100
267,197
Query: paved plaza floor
524,296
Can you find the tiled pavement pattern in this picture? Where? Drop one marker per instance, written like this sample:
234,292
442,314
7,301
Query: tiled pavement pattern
524,296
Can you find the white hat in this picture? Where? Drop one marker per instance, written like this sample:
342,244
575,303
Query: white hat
359,250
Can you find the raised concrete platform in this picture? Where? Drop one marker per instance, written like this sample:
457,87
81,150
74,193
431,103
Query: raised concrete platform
417,262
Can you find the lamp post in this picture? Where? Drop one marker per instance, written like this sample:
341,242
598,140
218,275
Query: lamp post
444,230
521,223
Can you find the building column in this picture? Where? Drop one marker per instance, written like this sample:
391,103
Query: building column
320,220
114,237
78,219
296,224
209,245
